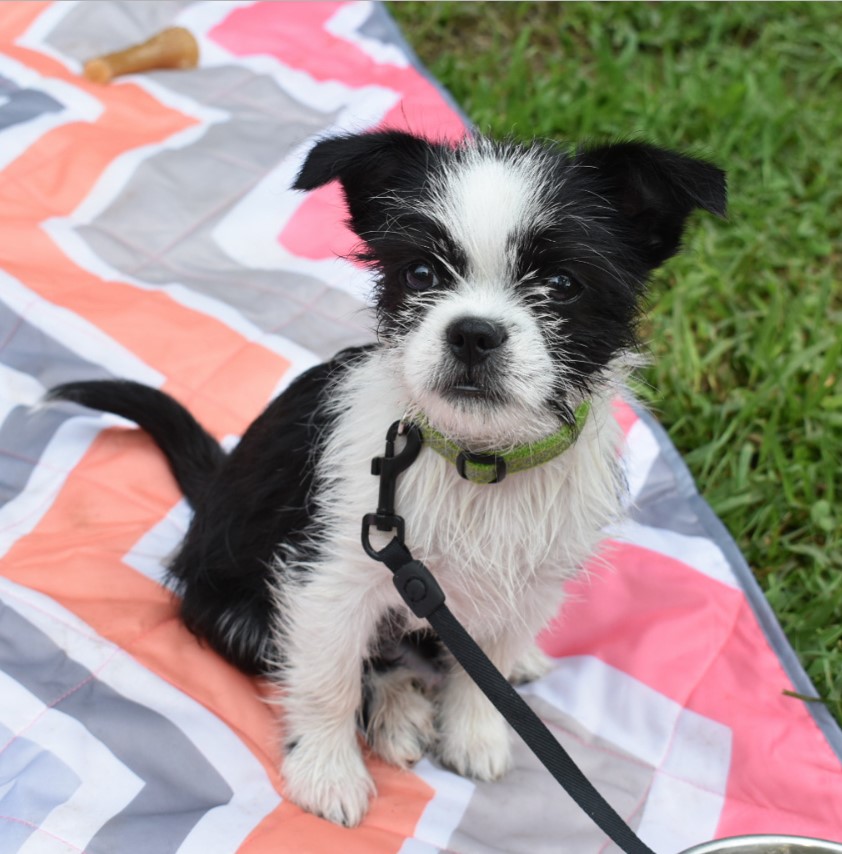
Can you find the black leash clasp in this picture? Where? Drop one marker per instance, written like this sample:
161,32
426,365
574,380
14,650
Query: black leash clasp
412,579
387,468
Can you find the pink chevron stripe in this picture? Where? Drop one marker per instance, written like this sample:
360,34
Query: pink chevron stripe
697,642
295,34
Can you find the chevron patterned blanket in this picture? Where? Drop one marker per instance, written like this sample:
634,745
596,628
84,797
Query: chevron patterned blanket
147,231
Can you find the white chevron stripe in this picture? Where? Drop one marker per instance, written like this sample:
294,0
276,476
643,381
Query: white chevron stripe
221,829
75,333
641,452
17,389
346,23
699,553
690,754
77,104
67,447
35,38
92,804
443,812
150,553
248,233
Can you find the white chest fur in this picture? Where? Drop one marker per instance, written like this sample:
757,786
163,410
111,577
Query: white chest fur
500,551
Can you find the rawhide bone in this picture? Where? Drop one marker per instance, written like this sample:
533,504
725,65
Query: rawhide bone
174,47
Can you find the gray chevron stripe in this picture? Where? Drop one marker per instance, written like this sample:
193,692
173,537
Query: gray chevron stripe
658,504
96,27
172,241
32,783
22,105
183,194
25,433
527,790
180,784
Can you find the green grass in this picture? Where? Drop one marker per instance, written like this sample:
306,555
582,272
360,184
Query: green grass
745,328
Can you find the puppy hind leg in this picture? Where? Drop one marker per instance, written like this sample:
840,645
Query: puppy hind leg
399,715
531,665
473,737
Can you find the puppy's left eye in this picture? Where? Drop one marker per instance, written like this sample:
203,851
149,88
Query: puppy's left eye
420,276
565,289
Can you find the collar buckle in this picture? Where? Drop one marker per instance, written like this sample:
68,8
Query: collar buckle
465,457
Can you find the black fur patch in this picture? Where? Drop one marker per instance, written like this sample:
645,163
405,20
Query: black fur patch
259,503
249,506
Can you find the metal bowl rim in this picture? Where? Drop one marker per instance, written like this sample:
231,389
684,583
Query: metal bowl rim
732,843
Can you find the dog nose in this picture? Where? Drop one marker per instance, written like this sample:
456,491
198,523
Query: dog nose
473,339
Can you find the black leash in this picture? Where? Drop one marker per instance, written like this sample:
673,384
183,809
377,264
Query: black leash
421,592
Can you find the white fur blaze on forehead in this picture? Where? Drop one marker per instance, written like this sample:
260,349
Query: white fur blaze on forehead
485,199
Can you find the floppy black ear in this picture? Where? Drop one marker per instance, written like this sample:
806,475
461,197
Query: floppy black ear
656,190
374,157
368,165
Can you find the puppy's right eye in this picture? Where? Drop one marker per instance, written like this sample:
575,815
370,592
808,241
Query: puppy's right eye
420,276
565,289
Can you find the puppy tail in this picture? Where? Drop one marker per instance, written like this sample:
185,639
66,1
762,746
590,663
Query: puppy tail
193,454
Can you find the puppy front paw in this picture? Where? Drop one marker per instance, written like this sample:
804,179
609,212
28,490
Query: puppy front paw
328,780
479,749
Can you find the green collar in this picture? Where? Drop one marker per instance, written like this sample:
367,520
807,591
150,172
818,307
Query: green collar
492,468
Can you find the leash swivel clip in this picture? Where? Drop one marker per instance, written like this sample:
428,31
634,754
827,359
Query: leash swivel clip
387,468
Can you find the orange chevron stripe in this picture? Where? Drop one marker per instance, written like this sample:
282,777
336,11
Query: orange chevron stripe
17,18
391,819
118,491
50,180
75,553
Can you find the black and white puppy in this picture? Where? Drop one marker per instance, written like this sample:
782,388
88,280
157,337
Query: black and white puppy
508,283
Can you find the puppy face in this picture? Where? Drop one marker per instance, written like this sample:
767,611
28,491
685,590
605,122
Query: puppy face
509,277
